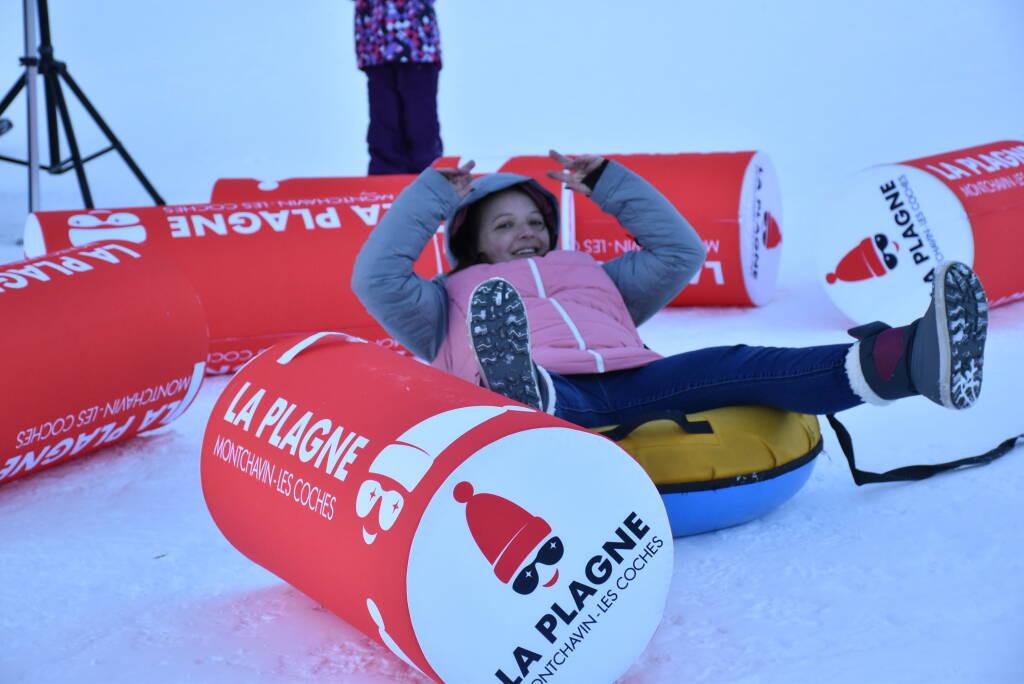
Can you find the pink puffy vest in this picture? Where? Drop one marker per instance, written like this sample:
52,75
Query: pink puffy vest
578,320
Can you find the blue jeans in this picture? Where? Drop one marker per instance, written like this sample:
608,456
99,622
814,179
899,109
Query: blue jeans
807,380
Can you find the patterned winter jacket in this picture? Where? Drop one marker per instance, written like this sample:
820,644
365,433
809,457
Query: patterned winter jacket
390,31
583,315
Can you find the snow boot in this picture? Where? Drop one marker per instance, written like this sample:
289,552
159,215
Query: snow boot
940,355
500,334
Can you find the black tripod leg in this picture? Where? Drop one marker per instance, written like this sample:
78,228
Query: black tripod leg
111,137
76,157
12,93
50,86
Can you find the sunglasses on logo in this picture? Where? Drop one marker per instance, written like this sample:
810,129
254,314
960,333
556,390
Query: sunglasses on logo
881,241
549,554
389,504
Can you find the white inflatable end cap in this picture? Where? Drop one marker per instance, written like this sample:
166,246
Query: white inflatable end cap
33,242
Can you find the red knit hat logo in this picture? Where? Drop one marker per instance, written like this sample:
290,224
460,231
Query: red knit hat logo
507,535
869,259
772,232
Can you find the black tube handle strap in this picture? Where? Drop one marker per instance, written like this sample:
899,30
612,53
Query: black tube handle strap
692,427
914,472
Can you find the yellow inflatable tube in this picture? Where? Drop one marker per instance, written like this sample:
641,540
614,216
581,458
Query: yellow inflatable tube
723,467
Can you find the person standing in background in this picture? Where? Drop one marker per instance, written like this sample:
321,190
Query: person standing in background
398,45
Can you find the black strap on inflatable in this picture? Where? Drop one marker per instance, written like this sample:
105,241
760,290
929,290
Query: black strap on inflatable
693,427
914,472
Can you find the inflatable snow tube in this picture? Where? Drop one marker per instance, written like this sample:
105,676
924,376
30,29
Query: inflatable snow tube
720,468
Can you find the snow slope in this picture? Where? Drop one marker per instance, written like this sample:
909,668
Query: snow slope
111,569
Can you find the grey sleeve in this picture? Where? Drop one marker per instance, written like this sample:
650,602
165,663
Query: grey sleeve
670,251
412,309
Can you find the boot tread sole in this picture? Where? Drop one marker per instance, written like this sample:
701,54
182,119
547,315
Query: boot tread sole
500,335
963,326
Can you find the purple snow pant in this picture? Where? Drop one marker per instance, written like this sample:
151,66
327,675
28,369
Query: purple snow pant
404,135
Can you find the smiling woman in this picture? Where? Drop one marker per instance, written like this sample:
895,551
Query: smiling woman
501,218
510,226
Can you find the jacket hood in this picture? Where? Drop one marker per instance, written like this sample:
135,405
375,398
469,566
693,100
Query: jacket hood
486,186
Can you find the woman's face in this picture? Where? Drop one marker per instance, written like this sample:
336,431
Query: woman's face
511,227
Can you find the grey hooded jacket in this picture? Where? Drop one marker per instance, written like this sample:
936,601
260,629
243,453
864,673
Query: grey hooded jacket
415,310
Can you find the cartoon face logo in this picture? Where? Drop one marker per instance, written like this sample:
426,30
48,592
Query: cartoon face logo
405,462
869,259
102,224
507,535
388,503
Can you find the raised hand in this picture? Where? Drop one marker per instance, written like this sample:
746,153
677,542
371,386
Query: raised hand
576,169
459,177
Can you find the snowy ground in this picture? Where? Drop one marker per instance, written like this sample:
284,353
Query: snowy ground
111,569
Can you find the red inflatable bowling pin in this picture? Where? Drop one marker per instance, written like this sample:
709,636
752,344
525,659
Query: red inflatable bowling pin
266,268
103,342
478,539
732,199
897,222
